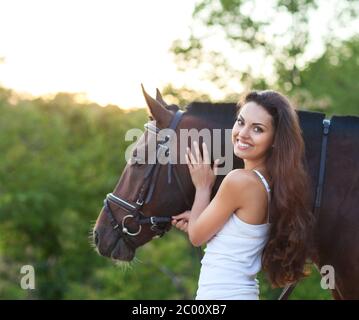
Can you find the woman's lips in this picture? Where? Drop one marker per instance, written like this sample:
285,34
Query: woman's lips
242,146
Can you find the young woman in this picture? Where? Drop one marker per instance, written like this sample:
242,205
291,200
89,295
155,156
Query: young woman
260,216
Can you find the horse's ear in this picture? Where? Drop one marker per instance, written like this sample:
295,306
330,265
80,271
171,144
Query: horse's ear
159,98
156,110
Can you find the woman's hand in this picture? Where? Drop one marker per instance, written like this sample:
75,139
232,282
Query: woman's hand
180,221
203,177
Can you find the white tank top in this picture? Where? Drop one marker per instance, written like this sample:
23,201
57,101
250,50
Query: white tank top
232,259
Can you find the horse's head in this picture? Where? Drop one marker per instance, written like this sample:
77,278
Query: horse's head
134,213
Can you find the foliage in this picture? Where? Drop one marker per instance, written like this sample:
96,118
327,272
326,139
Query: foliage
329,84
268,44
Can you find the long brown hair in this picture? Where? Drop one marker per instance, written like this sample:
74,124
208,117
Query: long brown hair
292,221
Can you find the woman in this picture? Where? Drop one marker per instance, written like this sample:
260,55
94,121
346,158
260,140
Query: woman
260,216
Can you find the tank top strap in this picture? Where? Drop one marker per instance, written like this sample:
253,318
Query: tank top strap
266,185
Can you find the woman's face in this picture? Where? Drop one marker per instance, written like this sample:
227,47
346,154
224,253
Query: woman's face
253,132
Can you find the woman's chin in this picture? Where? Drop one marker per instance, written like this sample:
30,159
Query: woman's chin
243,154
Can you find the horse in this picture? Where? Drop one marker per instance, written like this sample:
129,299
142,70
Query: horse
147,195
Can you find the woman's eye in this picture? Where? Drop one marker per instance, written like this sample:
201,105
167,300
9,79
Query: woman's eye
240,122
258,129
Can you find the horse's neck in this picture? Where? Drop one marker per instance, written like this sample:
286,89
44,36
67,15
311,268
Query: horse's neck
237,162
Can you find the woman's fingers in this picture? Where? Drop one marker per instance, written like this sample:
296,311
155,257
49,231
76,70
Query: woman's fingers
188,161
215,166
196,158
197,152
206,159
180,221
191,157
181,225
184,228
183,215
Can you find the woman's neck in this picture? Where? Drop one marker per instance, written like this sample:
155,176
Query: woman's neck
251,165
260,166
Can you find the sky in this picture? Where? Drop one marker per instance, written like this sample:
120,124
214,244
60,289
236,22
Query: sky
104,49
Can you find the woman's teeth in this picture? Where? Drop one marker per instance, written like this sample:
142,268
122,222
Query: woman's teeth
242,146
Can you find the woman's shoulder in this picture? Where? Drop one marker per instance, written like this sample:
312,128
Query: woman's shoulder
252,198
244,182
242,177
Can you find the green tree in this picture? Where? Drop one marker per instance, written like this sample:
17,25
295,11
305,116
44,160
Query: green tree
59,159
260,43
330,83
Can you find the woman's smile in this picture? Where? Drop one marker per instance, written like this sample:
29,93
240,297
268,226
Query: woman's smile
242,145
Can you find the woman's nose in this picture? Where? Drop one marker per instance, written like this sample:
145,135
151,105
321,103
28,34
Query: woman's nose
243,133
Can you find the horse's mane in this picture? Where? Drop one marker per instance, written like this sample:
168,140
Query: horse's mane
345,140
311,123
340,126
223,113
226,112
344,125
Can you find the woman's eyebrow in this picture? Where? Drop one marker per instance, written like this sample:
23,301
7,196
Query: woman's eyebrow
254,124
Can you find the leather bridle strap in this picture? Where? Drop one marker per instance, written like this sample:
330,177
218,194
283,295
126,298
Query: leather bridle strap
319,192
318,200
161,148
146,192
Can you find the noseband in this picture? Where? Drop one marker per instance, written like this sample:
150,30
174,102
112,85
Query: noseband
158,224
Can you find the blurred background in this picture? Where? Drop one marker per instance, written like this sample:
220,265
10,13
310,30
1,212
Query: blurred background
70,74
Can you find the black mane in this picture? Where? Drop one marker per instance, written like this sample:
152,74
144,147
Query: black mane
344,125
224,113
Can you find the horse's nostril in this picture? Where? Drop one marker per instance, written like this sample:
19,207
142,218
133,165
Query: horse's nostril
95,237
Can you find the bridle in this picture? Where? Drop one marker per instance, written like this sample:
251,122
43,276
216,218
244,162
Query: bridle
158,224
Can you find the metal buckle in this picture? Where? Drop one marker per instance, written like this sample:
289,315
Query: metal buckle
139,202
154,225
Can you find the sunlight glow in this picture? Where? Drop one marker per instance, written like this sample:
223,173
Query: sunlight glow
104,49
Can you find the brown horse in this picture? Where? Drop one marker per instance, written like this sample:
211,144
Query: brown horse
147,195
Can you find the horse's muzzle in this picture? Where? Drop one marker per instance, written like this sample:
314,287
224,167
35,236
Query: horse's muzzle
95,238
